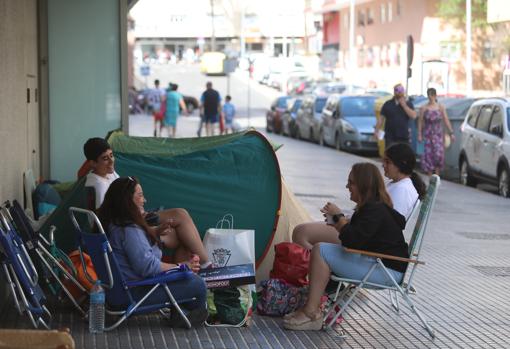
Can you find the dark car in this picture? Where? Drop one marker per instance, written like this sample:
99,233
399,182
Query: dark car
348,122
289,118
309,117
274,114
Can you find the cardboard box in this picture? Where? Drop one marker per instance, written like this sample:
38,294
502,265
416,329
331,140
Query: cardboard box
232,275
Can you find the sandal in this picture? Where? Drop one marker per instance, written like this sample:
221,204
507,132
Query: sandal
290,315
309,323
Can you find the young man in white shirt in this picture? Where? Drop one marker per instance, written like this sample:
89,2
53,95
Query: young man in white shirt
99,153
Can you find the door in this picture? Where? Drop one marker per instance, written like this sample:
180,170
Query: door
492,143
32,135
478,138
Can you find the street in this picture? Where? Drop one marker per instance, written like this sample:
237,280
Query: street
462,289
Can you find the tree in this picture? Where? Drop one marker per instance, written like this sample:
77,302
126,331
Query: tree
454,11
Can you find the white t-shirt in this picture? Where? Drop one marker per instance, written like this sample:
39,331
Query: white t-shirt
404,196
100,185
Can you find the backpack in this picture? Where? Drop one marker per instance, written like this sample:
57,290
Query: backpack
80,275
45,198
278,297
291,263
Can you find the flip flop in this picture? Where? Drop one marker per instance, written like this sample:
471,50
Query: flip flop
306,324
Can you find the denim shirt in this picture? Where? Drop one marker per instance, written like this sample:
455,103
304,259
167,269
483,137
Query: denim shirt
135,256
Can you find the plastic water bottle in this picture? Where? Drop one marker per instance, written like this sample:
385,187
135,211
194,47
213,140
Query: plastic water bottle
96,309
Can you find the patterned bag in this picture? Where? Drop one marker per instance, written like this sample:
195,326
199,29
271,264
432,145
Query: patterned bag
279,297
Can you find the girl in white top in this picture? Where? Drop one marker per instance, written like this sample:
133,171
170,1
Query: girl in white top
406,186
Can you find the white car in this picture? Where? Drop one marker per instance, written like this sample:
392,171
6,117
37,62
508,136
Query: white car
485,145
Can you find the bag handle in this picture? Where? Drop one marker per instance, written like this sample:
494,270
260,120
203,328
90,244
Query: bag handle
225,219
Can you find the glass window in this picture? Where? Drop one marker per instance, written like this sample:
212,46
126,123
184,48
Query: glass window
296,105
390,11
484,118
361,18
508,118
357,106
370,16
496,121
282,102
383,13
473,116
319,104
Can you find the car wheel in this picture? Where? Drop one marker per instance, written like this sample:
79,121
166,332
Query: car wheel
465,176
292,129
338,142
321,138
504,182
312,136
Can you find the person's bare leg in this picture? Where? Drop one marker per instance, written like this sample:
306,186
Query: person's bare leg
186,232
318,276
309,234
174,130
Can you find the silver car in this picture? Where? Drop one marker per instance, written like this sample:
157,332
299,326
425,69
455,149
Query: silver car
485,144
308,118
348,122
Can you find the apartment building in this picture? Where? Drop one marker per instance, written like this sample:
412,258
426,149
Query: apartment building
381,28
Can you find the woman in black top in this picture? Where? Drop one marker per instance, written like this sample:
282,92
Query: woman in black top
375,226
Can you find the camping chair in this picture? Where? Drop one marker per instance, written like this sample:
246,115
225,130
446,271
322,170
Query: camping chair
404,287
21,276
56,265
117,289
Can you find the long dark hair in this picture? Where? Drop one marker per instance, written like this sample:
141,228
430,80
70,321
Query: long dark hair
403,157
118,207
370,184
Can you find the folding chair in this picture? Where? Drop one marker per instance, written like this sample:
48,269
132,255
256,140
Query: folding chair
21,276
118,290
56,265
404,287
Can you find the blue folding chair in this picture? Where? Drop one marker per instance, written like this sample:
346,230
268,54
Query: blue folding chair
118,290
22,276
55,264
402,287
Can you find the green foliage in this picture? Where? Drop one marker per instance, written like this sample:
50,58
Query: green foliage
454,11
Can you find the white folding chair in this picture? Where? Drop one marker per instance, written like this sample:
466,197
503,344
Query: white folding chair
403,287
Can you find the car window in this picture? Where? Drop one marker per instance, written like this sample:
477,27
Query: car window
484,118
508,118
357,107
296,105
496,121
473,115
319,104
282,102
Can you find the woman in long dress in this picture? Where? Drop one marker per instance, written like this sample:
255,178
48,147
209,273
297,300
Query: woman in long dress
430,129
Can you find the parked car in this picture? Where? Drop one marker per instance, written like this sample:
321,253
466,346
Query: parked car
485,145
309,118
274,114
289,118
348,122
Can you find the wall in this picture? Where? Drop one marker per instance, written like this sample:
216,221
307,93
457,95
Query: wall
84,78
18,65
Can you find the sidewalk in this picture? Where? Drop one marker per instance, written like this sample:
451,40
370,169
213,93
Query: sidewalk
462,289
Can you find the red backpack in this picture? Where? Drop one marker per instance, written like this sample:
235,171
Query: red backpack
291,263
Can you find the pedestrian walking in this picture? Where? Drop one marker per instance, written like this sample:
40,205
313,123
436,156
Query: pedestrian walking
395,114
210,108
155,99
229,112
174,105
430,130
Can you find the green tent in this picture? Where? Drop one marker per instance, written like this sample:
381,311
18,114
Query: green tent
210,177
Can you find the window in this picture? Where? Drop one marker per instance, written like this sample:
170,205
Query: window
398,9
358,106
473,116
390,11
319,104
449,51
370,16
508,118
484,118
488,53
346,20
361,18
383,13
496,125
